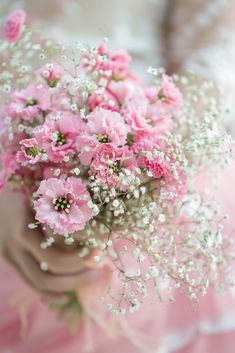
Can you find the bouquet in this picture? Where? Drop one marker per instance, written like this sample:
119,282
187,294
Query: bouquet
111,165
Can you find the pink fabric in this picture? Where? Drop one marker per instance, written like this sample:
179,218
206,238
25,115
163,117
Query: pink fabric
35,329
211,344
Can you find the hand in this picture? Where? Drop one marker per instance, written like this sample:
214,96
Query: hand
21,247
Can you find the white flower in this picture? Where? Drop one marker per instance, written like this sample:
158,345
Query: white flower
162,218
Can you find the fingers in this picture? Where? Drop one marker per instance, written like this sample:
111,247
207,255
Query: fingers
44,281
66,270
58,260
11,214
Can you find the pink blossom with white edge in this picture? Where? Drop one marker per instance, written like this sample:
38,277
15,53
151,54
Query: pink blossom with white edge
145,148
63,205
110,161
30,153
57,136
103,127
140,108
115,61
105,100
30,102
169,93
158,117
134,108
152,155
14,26
51,73
122,90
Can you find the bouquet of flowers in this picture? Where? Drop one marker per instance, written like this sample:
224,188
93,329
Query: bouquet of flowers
110,165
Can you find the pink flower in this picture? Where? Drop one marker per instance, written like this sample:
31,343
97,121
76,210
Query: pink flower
60,100
110,161
63,205
14,26
153,156
145,147
169,94
106,100
135,109
139,108
51,73
30,102
158,120
103,127
115,61
158,117
87,148
57,136
122,90
114,96
30,153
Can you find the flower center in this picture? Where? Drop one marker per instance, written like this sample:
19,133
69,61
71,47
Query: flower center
33,151
102,138
60,139
115,167
130,138
149,122
31,102
52,83
162,96
62,204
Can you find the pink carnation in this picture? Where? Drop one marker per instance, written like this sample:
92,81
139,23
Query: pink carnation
14,25
60,100
103,126
51,73
30,152
170,94
146,146
63,205
134,108
142,109
114,61
106,100
158,117
139,108
110,161
163,167
123,90
30,102
57,136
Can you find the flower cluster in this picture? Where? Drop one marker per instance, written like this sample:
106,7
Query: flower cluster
95,150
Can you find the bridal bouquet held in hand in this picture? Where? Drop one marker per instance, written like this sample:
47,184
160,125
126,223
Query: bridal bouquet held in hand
110,166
